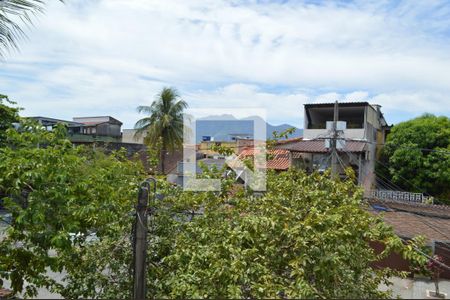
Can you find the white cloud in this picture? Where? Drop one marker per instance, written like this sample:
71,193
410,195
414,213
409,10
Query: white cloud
108,56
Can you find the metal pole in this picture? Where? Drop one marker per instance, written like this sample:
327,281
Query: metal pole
334,154
140,239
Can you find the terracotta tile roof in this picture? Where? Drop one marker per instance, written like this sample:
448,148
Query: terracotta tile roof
318,146
410,220
280,161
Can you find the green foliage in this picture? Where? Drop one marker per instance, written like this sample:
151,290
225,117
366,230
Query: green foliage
59,196
222,150
153,156
417,155
283,134
72,212
307,237
8,116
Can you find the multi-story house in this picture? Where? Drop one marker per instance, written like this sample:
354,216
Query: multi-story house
362,131
103,128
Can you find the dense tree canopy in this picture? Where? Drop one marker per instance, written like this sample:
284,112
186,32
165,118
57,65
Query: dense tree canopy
307,237
8,115
72,212
58,195
417,156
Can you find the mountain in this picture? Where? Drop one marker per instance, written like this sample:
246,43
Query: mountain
227,128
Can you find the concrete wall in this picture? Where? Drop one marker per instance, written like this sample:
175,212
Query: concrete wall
108,129
309,134
128,136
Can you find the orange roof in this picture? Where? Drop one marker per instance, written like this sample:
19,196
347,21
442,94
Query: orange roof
280,161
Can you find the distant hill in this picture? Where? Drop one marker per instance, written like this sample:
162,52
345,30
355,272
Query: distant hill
227,127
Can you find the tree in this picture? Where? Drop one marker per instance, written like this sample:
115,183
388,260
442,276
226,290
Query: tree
307,237
8,116
417,156
10,12
434,268
61,198
164,122
72,211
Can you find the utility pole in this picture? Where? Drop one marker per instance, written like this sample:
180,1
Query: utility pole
140,239
334,138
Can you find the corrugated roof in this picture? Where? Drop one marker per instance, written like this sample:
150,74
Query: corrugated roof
96,120
318,146
49,121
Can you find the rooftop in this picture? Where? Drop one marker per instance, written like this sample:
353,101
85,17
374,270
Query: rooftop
50,121
413,219
341,104
318,146
280,161
96,120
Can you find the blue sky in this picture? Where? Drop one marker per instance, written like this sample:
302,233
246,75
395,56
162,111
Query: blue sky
105,57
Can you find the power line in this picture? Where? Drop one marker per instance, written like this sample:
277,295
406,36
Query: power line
401,146
424,221
412,184
431,258
417,249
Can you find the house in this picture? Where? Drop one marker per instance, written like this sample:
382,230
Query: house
87,129
104,128
50,123
278,159
362,121
361,129
411,219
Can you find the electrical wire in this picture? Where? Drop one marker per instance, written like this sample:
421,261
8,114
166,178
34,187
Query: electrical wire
430,258
417,249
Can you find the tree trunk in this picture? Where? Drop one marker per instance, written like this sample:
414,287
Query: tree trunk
163,157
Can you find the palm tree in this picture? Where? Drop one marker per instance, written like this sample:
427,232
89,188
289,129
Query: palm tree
11,11
164,123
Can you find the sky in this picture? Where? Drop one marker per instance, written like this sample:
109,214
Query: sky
106,57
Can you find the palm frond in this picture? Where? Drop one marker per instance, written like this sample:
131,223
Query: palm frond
164,118
13,13
144,109
142,123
